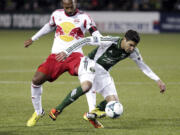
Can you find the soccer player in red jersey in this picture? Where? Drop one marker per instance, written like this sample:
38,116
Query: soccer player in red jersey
70,25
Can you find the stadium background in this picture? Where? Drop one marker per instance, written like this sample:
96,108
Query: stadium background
146,111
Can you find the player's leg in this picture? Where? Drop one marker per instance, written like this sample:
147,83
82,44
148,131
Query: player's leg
101,81
50,70
91,99
70,98
86,76
99,111
102,105
91,117
109,93
36,92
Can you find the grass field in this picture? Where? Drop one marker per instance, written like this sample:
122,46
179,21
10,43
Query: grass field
146,111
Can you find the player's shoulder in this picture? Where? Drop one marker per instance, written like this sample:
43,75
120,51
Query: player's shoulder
82,13
136,50
135,53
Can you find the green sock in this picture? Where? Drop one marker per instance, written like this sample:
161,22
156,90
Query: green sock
102,105
70,98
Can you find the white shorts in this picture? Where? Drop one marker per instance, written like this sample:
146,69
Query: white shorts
103,82
86,71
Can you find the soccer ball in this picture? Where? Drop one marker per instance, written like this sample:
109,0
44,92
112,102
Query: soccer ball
113,109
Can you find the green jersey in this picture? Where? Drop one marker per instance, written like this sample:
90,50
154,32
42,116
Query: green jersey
109,52
112,55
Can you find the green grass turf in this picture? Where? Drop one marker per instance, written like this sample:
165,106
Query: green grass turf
146,111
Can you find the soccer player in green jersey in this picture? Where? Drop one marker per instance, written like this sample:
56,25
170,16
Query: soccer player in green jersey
110,51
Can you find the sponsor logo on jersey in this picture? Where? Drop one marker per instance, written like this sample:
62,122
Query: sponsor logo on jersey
67,31
76,21
92,69
110,51
95,39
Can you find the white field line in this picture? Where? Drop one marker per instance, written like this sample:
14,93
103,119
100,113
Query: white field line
46,55
175,67
76,82
21,57
16,71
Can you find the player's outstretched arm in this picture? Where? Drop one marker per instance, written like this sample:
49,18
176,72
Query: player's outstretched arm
96,41
162,86
27,43
43,31
137,58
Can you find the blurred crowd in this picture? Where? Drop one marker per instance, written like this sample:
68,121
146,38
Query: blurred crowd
97,5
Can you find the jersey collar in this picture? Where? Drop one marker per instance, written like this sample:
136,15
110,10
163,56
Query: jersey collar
77,10
119,45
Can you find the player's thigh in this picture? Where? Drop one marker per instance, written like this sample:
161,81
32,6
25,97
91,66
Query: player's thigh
86,71
109,92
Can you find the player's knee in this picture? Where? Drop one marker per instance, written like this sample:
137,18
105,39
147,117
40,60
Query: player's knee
39,79
86,86
36,81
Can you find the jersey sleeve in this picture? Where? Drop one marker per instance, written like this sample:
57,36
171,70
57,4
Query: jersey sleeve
52,19
90,25
48,27
137,58
97,41
89,22
43,31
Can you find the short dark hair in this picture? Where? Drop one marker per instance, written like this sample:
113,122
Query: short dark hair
132,35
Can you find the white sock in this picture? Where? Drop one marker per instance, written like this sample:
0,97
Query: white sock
91,99
36,91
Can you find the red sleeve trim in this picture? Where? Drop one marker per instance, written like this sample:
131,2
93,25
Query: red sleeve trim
85,23
53,22
89,17
94,28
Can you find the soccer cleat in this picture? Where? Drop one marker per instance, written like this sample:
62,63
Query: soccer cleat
85,117
96,123
91,117
54,113
34,118
99,113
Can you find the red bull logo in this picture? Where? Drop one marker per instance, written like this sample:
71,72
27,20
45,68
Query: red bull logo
68,31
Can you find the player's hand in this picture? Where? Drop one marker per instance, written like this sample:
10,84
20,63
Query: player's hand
27,43
162,86
61,56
